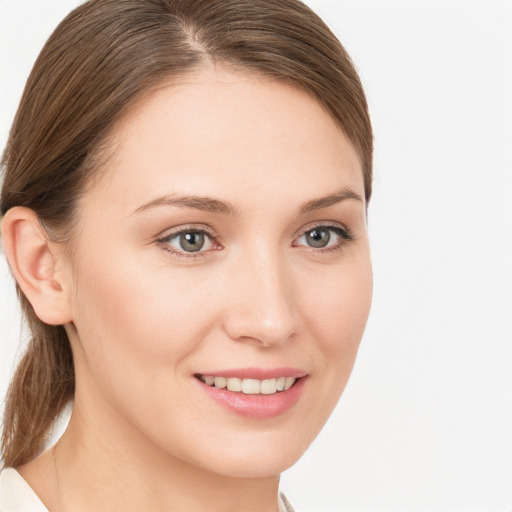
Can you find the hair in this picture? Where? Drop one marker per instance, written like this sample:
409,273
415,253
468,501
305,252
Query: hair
102,58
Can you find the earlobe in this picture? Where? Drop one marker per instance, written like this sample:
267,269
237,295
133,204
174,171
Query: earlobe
33,260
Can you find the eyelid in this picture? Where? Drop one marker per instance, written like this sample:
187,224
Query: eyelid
184,228
323,224
343,232
168,234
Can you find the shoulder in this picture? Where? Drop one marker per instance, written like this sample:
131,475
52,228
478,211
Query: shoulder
16,495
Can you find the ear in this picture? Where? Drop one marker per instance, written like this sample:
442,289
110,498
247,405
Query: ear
37,265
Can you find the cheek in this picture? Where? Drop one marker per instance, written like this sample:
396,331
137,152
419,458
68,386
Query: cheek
137,310
338,305
137,332
136,329
336,319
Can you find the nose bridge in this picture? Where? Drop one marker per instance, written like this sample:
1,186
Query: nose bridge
263,309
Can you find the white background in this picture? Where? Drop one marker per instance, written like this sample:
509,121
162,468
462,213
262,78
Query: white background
426,421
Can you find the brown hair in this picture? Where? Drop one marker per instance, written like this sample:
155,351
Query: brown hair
101,58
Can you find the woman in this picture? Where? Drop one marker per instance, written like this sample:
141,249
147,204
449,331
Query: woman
184,211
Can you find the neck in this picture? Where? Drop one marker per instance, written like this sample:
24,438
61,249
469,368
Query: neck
109,465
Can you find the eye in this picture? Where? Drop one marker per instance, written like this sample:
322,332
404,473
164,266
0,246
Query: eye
187,242
325,237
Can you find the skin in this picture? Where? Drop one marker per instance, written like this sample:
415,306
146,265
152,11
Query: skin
143,319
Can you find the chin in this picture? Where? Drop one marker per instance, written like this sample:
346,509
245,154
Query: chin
270,464
261,458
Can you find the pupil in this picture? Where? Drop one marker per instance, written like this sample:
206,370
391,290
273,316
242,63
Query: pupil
192,242
318,238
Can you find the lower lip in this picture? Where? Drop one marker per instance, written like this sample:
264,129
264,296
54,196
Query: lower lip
256,406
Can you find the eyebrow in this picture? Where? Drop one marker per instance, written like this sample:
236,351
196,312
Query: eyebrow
200,203
330,200
215,206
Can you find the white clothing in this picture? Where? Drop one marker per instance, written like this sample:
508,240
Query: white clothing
16,495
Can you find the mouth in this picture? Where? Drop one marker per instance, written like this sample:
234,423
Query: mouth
249,386
272,395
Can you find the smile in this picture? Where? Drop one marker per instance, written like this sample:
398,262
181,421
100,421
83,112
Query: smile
254,393
249,386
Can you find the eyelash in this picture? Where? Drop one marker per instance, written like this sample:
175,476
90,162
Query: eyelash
164,241
344,234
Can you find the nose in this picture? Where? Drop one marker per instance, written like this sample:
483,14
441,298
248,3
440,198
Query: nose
262,307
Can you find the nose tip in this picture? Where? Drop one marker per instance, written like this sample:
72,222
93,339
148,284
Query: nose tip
266,334
262,310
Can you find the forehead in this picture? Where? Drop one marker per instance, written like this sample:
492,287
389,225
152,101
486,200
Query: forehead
222,133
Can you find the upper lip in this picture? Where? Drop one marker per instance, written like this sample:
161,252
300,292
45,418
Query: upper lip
256,373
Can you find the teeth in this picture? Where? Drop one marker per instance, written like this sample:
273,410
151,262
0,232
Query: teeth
235,384
288,383
220,382
250,386
268,387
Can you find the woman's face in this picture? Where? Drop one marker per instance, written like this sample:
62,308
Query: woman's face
226,238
